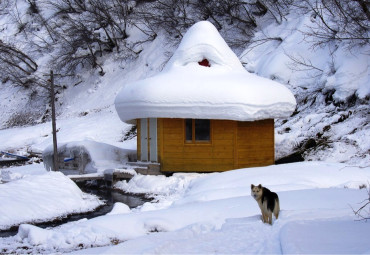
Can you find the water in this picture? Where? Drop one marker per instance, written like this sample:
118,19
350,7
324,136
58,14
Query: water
110,197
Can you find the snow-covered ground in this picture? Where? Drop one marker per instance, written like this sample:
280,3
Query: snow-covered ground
34,195
214,213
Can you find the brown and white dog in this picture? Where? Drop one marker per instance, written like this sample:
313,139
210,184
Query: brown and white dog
268,202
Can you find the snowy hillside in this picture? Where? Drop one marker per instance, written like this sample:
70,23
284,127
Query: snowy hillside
330,80
331,84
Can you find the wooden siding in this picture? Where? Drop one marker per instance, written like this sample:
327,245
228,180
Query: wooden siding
176,155
256,145
233,145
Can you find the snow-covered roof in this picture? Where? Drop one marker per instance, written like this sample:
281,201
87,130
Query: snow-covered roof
186,89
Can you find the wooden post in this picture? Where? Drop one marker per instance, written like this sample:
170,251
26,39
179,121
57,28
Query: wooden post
53,122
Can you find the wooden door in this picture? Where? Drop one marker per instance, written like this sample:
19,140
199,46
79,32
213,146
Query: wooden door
144,139
153,154
148,140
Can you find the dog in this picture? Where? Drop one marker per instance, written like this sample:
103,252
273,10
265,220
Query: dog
268,202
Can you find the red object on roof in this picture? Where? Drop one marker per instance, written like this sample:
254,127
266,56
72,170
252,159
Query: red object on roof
204,62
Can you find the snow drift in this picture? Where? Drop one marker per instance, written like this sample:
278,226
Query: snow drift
38,198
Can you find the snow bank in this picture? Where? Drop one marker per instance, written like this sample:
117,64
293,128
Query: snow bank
249,236
15,173
185,89
215,213
164,190
157,184
236,183
38,198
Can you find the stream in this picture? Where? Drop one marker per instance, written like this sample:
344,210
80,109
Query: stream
110,196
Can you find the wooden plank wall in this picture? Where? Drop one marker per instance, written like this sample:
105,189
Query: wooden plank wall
256,145
176,155
233,145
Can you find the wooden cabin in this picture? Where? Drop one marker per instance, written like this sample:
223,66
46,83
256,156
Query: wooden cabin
203,145
204,112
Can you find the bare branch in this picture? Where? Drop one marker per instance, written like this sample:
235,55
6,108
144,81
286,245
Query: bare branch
364,204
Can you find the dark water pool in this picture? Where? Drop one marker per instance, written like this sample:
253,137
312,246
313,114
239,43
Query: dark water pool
110,196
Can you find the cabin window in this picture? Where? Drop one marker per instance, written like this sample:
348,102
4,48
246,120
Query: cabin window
197,130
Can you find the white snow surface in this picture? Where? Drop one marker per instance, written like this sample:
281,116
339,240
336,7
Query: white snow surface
215,213
185,89
34,195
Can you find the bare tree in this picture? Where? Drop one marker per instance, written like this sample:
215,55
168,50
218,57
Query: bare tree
341,21
171,16
234,18
278,9
77,47
238,19
90,28
16,66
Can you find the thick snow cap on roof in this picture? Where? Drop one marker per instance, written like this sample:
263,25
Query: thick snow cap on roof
222,90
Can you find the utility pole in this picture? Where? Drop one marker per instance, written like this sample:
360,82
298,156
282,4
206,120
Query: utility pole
53,118
53,122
